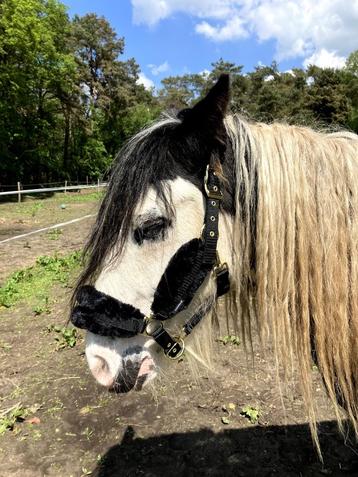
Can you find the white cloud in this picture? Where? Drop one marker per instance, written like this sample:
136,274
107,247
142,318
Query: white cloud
150,12
325,59
231,30
145,81
299,28
158,69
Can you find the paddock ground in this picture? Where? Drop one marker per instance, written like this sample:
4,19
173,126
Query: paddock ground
72,427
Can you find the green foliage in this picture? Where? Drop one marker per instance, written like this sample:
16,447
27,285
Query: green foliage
66,337
352,63
251,413
42,307
54,234
316,96
64,93
9,418
30,283
230,339
68,100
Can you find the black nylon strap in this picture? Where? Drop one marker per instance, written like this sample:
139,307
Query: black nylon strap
210,233
206,257
170,346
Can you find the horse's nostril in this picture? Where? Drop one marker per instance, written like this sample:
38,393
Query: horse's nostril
101,371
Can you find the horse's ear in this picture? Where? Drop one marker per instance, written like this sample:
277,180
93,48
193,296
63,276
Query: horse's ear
207,116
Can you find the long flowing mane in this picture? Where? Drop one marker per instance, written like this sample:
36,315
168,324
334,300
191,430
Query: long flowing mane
296,249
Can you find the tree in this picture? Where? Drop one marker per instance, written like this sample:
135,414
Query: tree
180,92
109,86
351,79
327,95
34,64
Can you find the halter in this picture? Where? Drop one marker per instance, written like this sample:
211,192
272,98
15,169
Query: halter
106,316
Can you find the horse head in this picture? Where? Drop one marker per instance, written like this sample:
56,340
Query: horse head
153,271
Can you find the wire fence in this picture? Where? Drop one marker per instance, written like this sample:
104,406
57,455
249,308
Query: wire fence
4,187
58,187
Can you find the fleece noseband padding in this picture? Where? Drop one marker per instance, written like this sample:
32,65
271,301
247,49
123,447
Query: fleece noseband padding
182,278
106,316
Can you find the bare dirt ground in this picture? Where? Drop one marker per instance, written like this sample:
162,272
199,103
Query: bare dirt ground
33,214
75,428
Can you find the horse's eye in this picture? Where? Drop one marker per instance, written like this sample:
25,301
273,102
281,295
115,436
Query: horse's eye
154,229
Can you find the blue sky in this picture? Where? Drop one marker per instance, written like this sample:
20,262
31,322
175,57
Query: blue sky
170,37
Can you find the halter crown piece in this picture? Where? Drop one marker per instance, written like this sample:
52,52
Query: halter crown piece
104,315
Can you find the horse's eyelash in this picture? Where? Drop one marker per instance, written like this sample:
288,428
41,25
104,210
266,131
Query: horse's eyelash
152,230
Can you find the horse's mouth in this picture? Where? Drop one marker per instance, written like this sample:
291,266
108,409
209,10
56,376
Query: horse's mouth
133,376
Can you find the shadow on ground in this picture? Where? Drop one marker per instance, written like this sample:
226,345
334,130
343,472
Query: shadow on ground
258,451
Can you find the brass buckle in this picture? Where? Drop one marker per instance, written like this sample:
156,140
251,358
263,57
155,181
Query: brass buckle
220,267
211,193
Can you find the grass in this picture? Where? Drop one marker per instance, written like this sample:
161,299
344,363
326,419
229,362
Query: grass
54,234
73,198
66,337
32,283
251,413
35,207
230,339
9,418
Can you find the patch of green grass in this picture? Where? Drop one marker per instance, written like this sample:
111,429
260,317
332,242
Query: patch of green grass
66,337
57,407
230,339
9,418
33,206
251,413
42,307
28,209
72,198
54,234
33,282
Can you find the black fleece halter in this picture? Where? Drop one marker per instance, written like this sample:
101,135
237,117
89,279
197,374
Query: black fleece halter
106,316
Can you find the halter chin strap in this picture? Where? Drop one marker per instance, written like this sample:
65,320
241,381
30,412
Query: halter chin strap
104,315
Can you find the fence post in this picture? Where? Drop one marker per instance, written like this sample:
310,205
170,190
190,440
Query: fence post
97,185
19,191
65,187
87,180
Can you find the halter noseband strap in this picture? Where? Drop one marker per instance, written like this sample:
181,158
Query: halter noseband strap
104,315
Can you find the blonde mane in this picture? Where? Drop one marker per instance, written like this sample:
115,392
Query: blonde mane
302,291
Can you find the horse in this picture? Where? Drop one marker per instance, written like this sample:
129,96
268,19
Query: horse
205,197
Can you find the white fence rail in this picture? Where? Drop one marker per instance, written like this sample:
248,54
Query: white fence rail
66,188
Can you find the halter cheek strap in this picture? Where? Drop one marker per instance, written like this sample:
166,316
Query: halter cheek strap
104,315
